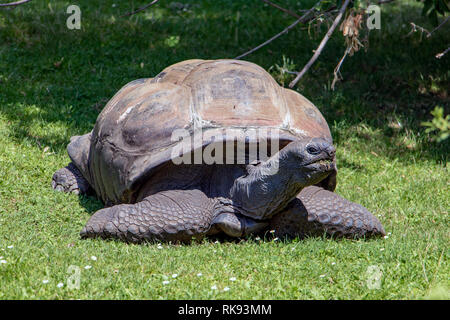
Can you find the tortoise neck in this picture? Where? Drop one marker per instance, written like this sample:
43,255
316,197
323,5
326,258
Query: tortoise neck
266,189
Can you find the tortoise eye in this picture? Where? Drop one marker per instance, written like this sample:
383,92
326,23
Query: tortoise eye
314,150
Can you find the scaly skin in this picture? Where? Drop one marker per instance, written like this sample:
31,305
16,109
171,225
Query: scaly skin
174,215
316,211
70,179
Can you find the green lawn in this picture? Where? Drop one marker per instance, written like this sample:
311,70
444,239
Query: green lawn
54,82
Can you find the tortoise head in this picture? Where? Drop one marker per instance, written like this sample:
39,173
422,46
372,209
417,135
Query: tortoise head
308,161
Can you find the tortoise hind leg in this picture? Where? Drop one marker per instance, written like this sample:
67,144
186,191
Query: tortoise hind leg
174,215
316,211
70,179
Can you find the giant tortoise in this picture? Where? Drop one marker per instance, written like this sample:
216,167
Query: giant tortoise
210,147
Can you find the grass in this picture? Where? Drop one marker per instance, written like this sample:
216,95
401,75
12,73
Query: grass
54,82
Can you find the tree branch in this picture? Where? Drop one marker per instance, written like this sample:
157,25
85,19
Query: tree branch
282,9
438,27
301,19
321,45
13,4
338,68
385,1
414,28
140,9
443,53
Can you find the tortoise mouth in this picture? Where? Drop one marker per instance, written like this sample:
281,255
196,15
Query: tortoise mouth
322,164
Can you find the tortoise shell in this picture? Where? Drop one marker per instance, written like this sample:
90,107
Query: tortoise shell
133,135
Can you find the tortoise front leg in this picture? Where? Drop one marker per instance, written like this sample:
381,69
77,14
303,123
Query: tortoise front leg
174,215
316,211
236,225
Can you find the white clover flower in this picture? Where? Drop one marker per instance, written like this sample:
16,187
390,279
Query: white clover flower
333,263
94,258
214,287
386,237
199,274
159,246
87,267
174,275
233,279
45,281
226,289
166,282
382,249
3,261
322,275
10,247
60,285
257,238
